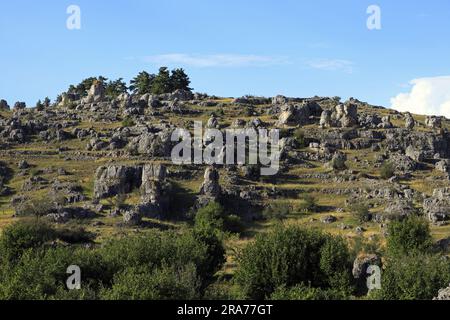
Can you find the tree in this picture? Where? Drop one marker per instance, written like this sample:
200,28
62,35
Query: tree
39,105
179,80
210,217
142,83
82,88
387,170
416,276
47,102
409,236
361,212
115,88
290,256
161,83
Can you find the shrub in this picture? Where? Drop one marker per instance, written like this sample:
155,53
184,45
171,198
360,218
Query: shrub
387,170
361,212
41,274
276,211
26,234
309,203
164,283
408,236
210,217
414,277
128,122
290,256
233,224
299,136
302,292
156,249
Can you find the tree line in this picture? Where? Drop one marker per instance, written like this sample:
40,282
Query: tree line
165,81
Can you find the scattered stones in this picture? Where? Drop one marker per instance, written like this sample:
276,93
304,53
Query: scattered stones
329,219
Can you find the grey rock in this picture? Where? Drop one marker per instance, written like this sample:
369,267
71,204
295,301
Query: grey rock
444,294
361,264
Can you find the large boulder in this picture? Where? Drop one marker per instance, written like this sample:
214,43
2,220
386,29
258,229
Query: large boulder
345,115
155,190
116,179
96,93
386,123
299,114
363,262
325,119
433,122
414,154
213,123
443,166
211,187
409,121
396,210
437,208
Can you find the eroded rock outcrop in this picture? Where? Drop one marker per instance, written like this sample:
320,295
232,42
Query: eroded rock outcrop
437,208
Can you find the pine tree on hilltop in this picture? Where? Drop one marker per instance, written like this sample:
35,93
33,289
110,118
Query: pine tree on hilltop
142,83
162,84
179,80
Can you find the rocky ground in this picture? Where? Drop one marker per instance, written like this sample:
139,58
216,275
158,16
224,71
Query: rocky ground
105,164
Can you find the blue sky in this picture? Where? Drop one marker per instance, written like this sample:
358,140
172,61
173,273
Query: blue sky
230,48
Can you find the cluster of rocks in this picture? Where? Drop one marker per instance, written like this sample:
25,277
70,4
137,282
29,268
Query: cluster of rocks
298,114
343,116
437,207
150,179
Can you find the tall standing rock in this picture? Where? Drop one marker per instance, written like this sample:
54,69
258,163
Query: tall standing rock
154,190
409,121
96,93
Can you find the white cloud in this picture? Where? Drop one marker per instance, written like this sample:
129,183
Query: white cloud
331,65
428,96
216,60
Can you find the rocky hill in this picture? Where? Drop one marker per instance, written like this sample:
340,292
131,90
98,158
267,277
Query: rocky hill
346,167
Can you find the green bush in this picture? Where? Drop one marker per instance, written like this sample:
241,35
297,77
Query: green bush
26,234
299,136
164,283
302,292
387,170
41,274
414,277
276,211
409,236
128,122
360,211
290,256
309,203
210,217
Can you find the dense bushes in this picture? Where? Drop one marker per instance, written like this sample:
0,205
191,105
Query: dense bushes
387,170
290,256
417,276
157,265
412,270
409,236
